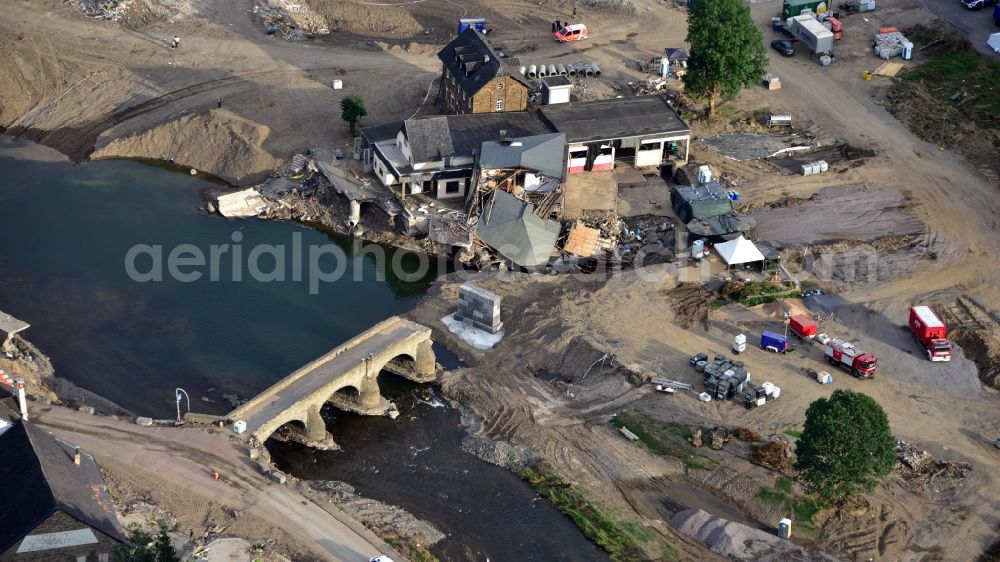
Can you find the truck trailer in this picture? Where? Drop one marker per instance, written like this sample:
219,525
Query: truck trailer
930,332
792,8
860,363
802,326
813,34
773,342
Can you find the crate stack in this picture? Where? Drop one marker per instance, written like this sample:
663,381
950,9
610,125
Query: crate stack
724,378
817,167
760,395
890,43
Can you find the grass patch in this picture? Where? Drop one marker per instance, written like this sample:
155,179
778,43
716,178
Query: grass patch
623,540
973,75
771,496
785,484
664,438
793,433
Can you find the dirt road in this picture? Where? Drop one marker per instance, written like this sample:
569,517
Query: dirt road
174,466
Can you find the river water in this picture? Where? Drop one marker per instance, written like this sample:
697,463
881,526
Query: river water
65,234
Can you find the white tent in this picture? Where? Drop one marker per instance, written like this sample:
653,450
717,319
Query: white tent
994,42
739,251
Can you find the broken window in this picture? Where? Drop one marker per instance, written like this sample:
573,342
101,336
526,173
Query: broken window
453,187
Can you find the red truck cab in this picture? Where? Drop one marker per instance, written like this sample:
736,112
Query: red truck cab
931,333
860,363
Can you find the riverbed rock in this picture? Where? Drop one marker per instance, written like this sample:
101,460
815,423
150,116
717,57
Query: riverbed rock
144,421
87,410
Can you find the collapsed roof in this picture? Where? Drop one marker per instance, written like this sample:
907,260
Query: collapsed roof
545,154
509,226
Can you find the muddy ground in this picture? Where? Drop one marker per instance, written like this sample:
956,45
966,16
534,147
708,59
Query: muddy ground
539,389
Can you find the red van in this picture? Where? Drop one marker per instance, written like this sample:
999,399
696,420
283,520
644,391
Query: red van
575,32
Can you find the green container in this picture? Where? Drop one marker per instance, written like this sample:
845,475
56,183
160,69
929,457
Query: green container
792,8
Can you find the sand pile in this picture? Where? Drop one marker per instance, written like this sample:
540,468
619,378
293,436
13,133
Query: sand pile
219,142
740,542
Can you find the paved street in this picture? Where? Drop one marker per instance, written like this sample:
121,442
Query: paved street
976,25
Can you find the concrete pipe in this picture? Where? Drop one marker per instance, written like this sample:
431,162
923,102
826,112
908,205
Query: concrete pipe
574,70
597,69
542,71
561,70
588,71
552,70
355,217
532,71
522,70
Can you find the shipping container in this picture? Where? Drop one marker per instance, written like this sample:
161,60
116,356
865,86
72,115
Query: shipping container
813,34
791,8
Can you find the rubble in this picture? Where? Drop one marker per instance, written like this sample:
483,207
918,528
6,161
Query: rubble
293,21
719,437
914,459
695,438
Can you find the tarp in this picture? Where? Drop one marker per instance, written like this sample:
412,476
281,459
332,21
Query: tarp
509,226
701,201
739,251
994,42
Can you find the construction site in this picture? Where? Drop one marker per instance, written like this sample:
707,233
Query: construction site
672,292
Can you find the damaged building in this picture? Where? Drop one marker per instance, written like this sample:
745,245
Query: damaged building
436,155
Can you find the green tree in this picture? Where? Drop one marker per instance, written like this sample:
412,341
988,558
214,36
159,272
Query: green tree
846,445
143,547
352,109
727,50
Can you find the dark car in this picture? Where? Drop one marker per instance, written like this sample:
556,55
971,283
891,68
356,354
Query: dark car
699,357
784,47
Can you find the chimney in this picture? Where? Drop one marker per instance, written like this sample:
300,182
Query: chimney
19,385
503,134
76,457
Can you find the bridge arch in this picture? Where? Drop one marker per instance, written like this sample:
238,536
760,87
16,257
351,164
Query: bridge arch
397,345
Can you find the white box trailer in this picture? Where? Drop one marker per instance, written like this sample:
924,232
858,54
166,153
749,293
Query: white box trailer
807,29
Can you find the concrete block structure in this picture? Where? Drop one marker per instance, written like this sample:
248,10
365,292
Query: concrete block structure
479,307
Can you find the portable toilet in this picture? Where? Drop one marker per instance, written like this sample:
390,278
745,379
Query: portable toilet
239,426
785,528
907,50
698,249
704,174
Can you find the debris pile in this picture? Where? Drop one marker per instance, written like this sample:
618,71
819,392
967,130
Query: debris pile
695,437
293,21
718,438
917,463
740,542
105,9
913,458
776,453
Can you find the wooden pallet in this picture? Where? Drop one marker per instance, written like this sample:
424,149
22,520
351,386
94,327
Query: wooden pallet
889,69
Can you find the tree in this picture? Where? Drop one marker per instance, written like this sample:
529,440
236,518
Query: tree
143,547
727,50
846,444
352,109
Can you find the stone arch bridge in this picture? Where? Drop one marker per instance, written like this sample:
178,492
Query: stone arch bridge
346,377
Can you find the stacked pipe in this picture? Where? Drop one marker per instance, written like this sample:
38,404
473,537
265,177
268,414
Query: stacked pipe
583,69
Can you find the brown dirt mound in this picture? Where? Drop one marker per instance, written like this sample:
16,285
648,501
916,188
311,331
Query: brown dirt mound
362,19
192,141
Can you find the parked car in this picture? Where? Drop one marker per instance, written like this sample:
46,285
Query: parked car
977,4
575,32
786,48
698,357
381,558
